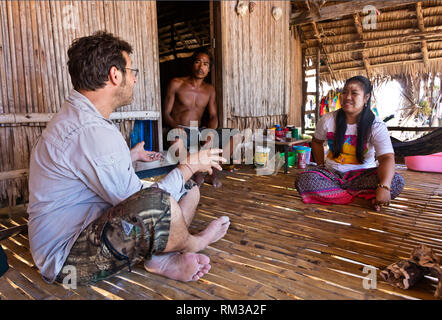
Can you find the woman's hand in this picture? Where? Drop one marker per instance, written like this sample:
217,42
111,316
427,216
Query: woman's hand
138,153
385,174
383,198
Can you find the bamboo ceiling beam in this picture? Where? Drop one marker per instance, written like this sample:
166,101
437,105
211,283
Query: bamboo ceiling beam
17,118
180,37
379,65
397,58
427,35
421,25
195,35
365,55
403,39
14,174
397,44
318,36
342,9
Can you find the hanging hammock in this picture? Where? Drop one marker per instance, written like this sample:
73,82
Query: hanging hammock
428,144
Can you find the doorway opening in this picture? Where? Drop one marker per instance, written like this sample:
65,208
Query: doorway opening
183,28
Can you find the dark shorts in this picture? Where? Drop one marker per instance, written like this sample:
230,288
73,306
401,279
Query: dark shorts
123,236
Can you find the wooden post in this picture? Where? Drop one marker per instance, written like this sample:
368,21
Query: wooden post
304,93
364,53
20,118
217,47
318,71
421,25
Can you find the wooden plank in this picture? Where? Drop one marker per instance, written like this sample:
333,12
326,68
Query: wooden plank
14,174
9,291
19,118
279,248
343,9
56,290
23,252
119,292
200,291
27,286
12,231
3,89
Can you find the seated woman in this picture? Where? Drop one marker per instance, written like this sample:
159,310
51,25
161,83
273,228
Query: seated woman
355,136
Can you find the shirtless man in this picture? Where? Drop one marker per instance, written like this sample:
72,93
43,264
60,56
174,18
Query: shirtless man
186,100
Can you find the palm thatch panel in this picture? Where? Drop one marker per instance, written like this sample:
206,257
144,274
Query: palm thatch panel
405,39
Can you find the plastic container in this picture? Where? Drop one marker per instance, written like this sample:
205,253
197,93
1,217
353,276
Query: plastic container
262,155
429,163
291,158
308,152
296,133
301,159
280,133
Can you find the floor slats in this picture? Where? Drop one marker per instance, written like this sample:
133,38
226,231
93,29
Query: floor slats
277,247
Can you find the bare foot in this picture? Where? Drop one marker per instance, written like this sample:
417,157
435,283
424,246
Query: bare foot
215,231
214,180
179,266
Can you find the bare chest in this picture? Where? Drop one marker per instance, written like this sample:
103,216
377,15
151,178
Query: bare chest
193,98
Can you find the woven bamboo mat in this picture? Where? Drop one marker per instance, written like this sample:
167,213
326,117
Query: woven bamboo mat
276,248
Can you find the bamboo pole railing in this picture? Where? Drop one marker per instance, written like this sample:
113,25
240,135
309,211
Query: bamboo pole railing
12,118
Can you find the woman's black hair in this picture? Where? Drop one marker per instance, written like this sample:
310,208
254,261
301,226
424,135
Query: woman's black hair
364,122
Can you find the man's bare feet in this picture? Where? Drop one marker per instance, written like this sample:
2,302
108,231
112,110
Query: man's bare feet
215,231
179,266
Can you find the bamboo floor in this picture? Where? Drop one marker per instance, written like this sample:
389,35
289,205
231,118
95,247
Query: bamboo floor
276,247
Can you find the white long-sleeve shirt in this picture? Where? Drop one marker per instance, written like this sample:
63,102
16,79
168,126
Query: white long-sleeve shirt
79,168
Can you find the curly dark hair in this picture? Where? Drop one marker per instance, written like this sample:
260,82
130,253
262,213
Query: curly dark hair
91,58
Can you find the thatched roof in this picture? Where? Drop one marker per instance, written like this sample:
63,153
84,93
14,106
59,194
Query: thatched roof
405,39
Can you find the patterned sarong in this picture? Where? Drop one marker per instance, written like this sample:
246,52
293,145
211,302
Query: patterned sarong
328,186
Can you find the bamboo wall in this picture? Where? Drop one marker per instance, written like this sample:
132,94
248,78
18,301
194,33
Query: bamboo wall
255,64
297,77
34,38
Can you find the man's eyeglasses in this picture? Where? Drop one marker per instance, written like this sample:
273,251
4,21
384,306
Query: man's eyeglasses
134,71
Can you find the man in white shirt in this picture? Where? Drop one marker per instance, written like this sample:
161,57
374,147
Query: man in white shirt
87,208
